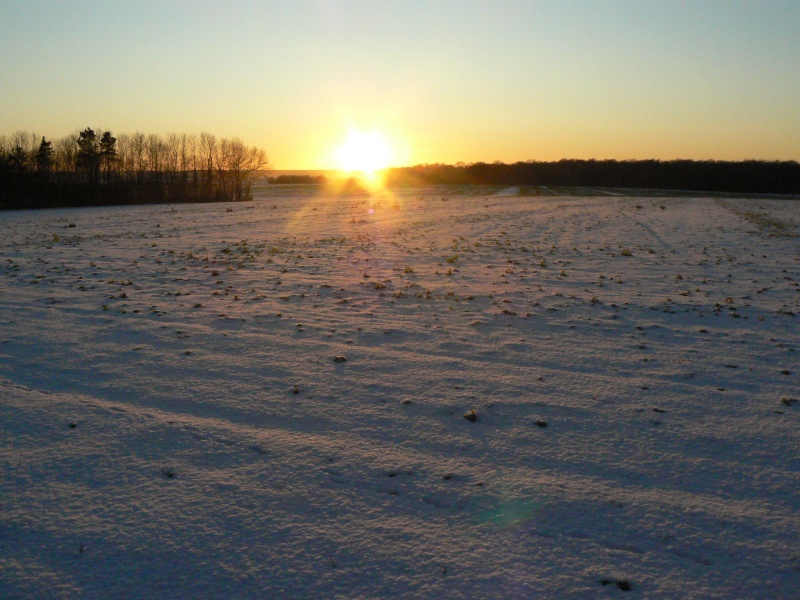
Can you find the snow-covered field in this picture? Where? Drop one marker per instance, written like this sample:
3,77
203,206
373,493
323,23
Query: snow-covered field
268,399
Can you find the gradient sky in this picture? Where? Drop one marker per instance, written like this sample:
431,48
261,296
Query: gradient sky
446,80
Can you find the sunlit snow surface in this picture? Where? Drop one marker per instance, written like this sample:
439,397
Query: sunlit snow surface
175,422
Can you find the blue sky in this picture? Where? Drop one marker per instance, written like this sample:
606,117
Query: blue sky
446,81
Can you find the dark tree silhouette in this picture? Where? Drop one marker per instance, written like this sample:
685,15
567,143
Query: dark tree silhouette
749,176
44,156
298,179
88,158
18,160
88,169
108,153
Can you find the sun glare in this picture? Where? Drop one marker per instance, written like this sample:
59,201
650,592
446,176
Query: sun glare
365,152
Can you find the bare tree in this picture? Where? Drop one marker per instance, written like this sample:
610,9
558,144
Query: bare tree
26,140
172,155
66,151
254,161
207,149
154,150
191,152
139,154
190,148
124,154
237,165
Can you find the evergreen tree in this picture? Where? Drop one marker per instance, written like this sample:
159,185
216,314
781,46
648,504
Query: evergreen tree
108,152
44,156
88,158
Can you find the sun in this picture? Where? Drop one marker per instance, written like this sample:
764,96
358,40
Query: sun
365,152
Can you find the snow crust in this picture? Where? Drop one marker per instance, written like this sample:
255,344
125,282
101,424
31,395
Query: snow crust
267,399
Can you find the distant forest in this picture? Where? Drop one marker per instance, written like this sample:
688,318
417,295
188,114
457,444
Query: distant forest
750,176
298,179
93,169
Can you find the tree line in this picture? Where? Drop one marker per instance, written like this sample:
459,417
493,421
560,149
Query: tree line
299,179
749,176
93,168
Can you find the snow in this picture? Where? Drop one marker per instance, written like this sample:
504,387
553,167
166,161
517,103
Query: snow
177,419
